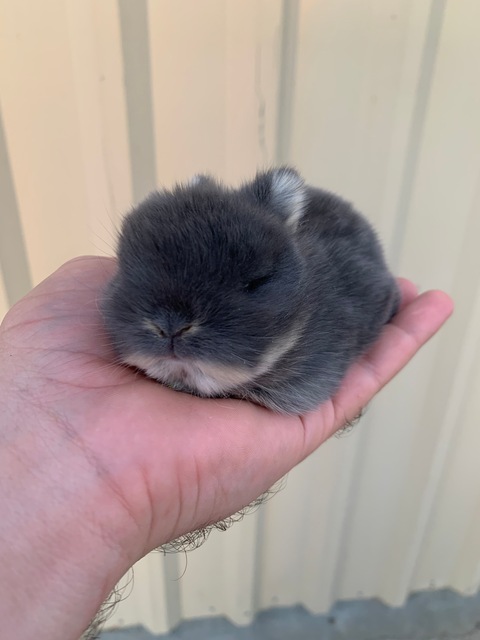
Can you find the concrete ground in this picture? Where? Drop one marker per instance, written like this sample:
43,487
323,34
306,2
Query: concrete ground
435,615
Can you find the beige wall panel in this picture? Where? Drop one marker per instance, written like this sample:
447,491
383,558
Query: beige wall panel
358,69
219,577
97,68
215,69
303,529
442,225
451,501
449,555
65,124
38,105
449,156
145,597
351,66
445,180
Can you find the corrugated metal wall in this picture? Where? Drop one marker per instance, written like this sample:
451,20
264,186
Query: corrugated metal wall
379,100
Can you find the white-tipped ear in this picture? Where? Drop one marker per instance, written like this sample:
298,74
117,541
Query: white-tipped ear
288,194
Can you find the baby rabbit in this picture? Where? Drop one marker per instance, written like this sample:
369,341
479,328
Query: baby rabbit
267,292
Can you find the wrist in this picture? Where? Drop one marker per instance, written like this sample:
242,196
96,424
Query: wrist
64,539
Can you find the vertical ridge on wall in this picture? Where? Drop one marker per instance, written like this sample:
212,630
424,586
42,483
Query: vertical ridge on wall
3,296
13,255
145,597
135,34
286,90
112,101
422,97
417,28
100,110
303,529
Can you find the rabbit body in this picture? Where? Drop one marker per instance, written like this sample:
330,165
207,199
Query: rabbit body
267,292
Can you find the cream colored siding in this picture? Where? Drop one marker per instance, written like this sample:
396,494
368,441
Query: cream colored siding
378,100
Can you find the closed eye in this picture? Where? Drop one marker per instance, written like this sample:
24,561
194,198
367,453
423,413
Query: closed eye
256,283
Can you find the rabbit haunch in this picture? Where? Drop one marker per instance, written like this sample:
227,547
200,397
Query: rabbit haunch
266,292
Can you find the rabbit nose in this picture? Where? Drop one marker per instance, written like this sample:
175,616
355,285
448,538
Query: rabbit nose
174,328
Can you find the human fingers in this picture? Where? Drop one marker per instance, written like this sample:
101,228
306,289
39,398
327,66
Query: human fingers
408,291
400,340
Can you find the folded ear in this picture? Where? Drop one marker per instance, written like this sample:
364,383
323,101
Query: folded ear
282,190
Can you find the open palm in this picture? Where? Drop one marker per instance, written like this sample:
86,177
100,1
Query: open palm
99,465
198,460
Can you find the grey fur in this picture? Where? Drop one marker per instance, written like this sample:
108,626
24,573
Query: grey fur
267,292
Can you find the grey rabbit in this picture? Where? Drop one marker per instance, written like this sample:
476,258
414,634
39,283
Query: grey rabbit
267,292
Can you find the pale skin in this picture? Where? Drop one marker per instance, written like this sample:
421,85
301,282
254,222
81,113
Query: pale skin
99,465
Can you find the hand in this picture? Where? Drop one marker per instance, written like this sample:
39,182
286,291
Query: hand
99,465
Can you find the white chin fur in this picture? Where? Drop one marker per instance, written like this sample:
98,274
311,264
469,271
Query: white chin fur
209,379
205,379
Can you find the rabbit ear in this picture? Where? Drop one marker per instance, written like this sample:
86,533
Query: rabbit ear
200,178
288,193
283,190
